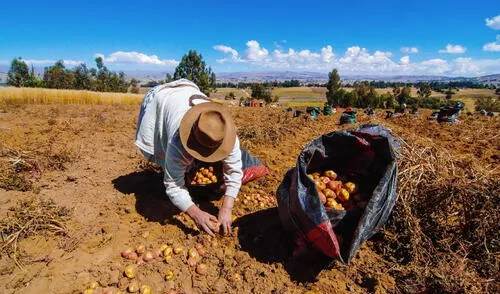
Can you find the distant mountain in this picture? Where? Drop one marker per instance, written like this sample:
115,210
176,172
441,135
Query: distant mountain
271,76
489,79
306,77
323,77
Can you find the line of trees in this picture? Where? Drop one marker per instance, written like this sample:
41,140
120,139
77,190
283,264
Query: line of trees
364,95
58,76
191,67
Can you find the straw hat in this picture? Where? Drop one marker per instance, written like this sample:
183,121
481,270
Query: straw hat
208,132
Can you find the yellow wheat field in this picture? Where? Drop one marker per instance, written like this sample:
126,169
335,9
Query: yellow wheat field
12,95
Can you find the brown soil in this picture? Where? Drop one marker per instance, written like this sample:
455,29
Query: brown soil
83,158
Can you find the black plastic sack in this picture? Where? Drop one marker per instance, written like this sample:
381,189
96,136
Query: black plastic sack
313,111
367,154
448,114
327,110
348,117
252,169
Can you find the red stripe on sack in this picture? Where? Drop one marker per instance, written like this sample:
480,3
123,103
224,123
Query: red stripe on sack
254,172
324,239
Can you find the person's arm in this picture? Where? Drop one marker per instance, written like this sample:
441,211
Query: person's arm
233,174
175,169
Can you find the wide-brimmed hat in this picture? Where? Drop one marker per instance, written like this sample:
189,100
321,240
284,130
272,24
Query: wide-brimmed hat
208,132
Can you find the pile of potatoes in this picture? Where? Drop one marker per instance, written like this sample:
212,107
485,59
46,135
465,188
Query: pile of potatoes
141,255
335,194
204,176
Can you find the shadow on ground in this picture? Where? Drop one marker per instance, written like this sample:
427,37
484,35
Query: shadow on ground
263,237
260,234
151,201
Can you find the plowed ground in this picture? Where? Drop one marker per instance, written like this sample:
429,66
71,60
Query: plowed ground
86,161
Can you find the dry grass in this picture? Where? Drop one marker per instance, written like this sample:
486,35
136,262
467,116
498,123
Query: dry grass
444,233
12,95
27,218
300,92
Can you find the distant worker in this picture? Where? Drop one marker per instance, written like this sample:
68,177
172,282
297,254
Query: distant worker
450,113
178,124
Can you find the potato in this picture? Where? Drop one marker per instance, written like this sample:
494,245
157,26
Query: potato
351,187
169,275
330,174
343,195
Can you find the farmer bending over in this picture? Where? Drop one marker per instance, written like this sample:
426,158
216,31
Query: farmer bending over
177,124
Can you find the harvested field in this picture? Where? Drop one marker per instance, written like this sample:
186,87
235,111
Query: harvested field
80,163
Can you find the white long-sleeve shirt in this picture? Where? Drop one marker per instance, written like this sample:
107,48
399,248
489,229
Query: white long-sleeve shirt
158,134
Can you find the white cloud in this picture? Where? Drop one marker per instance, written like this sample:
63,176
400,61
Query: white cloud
357,60
493,46
409,49
494,22
132,57
453,49
255,52
72,62
228,50
465,66
225,49
67,62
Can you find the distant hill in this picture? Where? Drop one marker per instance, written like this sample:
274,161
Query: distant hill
304,76
323,77
490,79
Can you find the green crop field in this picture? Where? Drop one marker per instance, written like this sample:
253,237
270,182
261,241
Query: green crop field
316,96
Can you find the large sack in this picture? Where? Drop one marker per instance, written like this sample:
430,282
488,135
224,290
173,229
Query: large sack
367,154
348,117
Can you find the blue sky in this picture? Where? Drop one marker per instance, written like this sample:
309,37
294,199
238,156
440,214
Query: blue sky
358,37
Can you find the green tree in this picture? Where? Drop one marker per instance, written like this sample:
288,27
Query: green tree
168,78
334,91
101,76
348,98
18,74
424,91
193,68
396,91
259,91
488,104
449,93
58,77
83,79
33,81
134,87
388,100
404,95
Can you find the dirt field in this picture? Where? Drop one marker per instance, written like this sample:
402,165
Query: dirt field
442,238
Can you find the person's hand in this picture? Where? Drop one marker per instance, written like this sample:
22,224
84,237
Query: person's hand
225,219
225,214
202,219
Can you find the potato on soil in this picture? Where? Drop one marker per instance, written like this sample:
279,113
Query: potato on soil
201,269
133,287
169,275
129,271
